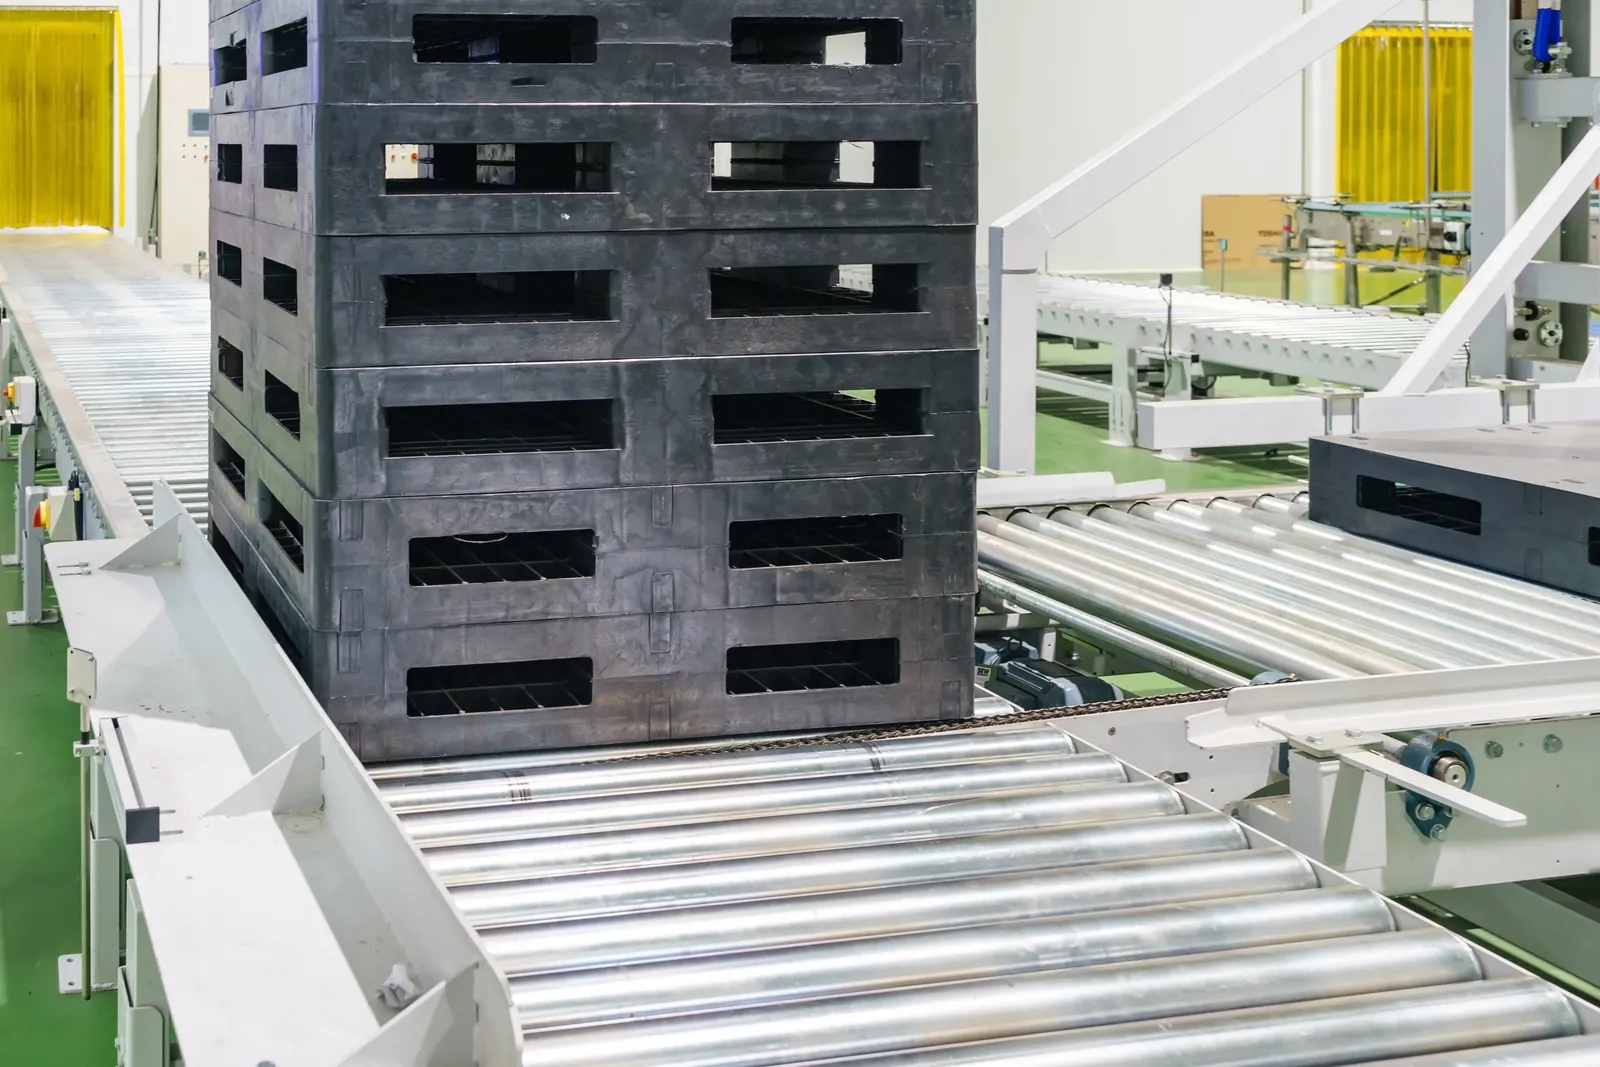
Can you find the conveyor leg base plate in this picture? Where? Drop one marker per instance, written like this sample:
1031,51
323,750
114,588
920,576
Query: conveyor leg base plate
20,618
69,974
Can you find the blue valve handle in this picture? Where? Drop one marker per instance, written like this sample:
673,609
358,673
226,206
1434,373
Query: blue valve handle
1546,33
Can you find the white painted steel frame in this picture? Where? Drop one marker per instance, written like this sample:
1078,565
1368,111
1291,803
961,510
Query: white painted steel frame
1496,274
1040,490
1408,399
1020,240
1427,700
281,891
1531,729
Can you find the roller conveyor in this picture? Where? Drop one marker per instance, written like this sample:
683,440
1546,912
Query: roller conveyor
1058,908
996,895
120,344
1251,586
1352,346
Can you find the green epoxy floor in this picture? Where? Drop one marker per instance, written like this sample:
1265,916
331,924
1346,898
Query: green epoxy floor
39,845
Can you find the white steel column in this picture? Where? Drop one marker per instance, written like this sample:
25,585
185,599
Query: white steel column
1497,273
27,474
1014,329
1019,241
1578,26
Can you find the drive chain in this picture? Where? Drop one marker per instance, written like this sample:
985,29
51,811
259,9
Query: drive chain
918,729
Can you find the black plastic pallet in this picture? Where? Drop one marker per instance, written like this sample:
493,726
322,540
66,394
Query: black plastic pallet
1521,500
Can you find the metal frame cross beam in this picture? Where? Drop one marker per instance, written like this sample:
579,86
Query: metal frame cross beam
1497,276
1019,241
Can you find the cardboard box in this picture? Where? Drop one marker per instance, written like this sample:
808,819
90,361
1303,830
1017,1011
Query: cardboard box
1247,222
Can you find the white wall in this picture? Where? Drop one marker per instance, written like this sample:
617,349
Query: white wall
1060,80
184,37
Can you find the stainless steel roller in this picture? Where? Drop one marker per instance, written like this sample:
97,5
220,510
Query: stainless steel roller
690,932
1203,578
815,831
1297,606
710,803
763,877
1293,516
1443,600
1083,554
1261,557
929,1016
1563,1052
1238,647
1561,629
1109,636
1380,612
1327,1033
680,772
757,978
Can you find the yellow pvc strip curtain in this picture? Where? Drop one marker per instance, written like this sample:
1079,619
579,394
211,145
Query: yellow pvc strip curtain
56,127
1380,113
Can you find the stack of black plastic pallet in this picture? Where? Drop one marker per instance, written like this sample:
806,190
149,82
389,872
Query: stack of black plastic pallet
622,412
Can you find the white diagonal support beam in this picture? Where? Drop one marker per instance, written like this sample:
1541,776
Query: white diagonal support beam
1019,240
1499,272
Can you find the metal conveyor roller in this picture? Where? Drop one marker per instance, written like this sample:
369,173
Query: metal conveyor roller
995,895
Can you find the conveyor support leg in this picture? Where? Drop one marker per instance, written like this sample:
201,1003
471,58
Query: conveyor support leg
1124,424
31,553
1180,371
27,474
105,904
5,374
141,1000
103,880
1337,814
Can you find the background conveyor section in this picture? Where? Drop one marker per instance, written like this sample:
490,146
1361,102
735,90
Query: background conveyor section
998,894
120,344
1247,588
1352,346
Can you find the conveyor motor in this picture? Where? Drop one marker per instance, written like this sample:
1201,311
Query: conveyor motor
1037,684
